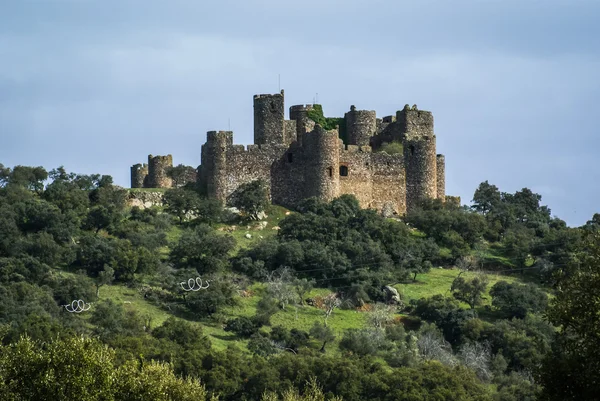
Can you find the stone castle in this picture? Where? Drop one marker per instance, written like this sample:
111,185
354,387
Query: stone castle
299,158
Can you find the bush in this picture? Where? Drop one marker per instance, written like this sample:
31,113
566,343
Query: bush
516,300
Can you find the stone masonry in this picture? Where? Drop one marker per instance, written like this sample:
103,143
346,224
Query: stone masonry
299,159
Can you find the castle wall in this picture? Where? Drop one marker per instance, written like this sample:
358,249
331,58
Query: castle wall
139,172
247,165
287,177
269,126
441,177
358,180
361,125
157,172
389,184
290,132
414,121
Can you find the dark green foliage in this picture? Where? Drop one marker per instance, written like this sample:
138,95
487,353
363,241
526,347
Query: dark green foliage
575,309
340,244
328,123
470,290
364,342
112,320
202,249
220,294
242,326
290,340
516,300
251,198
183,333
446,314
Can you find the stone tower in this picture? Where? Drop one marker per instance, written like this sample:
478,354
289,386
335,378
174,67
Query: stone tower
322,153
269,117
139,172
157,171
299,113
213,174
419,155
361,125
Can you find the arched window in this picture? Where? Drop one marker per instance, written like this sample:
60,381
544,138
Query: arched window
344,171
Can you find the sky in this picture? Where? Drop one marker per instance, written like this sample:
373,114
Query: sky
514,85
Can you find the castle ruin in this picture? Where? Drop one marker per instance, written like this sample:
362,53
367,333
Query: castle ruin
300,158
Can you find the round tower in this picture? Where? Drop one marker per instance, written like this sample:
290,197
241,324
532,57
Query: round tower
421,168
139,172
322,153
269,116
157,171
441,177
361,125
299,113
214,163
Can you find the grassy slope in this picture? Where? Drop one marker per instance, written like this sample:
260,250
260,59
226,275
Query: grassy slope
437,281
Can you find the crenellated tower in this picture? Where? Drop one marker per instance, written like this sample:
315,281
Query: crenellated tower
269,119
157,171
322,152
213,173
419,154
361,125
139,174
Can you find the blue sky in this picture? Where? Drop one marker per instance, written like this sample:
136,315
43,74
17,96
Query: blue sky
514,84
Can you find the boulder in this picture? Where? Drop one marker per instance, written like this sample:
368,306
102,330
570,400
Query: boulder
392,295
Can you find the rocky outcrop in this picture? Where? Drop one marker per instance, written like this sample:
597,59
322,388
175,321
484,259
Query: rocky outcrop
144,199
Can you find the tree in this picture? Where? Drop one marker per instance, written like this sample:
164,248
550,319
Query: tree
80,368
321,332
181,202
516,300
470,291
106,276
572,371
381,315
251,198
312,392
202,249
330,302
486,198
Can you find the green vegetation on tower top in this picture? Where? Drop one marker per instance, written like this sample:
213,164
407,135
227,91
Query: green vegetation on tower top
328,123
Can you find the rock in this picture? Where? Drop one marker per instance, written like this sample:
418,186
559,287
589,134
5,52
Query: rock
248,235
387,210
392,294
287,213
261,225
144,199
275,228
261,216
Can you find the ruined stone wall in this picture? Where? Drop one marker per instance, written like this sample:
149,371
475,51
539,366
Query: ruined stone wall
290,132
287,177
361,125
441,177
299,113
389,184
358,180
421,168
322,149
269,126
245,165
157,171
139,172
